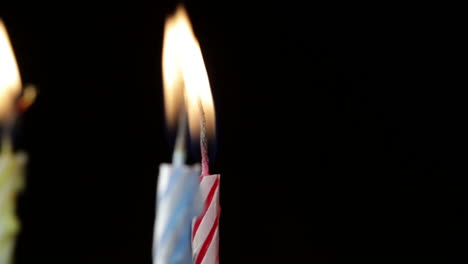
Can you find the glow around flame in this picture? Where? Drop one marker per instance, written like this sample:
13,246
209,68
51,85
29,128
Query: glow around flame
184,75
10,81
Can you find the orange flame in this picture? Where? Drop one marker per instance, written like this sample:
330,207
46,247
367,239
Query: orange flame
10,80
184,75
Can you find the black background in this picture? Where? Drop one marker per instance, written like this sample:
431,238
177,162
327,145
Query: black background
336,135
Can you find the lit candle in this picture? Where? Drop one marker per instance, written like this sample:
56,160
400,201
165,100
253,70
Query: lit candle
11,164
205,231
178,188
188,100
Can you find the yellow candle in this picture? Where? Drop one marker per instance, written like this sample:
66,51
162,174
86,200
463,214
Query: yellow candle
11,182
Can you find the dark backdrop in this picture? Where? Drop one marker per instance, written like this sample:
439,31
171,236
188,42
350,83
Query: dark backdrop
334,134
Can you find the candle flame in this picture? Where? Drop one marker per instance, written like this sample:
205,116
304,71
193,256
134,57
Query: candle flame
184,76
10,80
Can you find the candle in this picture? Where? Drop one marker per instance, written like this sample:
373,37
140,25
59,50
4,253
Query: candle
178,188
188,100
11,182
176,206
205,233
11,164
205,230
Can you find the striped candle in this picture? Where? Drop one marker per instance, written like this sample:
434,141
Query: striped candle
205,233
205,229
177,205
187,90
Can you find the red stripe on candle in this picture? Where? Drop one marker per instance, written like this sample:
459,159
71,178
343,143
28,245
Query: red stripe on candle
207,242
208,201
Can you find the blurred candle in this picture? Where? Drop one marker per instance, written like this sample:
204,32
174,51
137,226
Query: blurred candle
11,164
11,182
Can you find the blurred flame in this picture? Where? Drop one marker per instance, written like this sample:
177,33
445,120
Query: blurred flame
28,97
184,75
10,81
